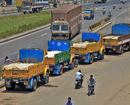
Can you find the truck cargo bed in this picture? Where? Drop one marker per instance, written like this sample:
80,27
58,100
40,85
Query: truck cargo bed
82,44
51,54
17,66
111,37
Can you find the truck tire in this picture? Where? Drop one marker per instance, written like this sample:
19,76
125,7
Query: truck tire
61,70
12,85
34,86
107,51
102,55
122,50
91,59
69,36
24,12
47,78
8,88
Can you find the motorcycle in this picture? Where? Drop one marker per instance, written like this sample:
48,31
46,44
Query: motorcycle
78,83
114,7
103,12
90,89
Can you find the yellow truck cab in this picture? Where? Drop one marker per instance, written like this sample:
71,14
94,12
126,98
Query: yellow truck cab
27,70
89,48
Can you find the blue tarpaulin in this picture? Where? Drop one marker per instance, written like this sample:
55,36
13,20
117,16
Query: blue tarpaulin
93,36
58,45
37,55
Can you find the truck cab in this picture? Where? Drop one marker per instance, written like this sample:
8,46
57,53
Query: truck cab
60,28
89,14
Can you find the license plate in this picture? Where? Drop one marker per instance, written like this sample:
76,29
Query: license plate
25,83
114,49
51,69
8,83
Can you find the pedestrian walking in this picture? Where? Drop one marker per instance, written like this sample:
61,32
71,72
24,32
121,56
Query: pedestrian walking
69,102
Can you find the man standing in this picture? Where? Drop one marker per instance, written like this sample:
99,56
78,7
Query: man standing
69,102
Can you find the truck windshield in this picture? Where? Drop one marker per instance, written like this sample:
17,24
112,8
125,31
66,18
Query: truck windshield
26,4
87,12
64,27
56,27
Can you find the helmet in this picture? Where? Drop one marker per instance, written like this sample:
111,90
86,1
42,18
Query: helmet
79,70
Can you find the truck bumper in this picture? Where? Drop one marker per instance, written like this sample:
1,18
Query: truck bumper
84,58
112,48
60,37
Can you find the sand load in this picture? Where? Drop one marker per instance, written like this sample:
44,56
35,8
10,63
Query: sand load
111,37
82,44
50,54
17,66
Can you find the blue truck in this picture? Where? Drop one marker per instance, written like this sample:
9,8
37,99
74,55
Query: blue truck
58,56
89,48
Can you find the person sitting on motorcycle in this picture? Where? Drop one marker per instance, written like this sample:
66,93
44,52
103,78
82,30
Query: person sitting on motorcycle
79,76
103,10
92,81
114,5
109,15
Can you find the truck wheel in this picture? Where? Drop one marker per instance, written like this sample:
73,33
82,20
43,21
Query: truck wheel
34,87
122,49
47,78
61,70
8,88
91,59
12,85
69,36
107,51
102,56
24,12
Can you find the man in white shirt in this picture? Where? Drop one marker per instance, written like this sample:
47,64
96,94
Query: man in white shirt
79,76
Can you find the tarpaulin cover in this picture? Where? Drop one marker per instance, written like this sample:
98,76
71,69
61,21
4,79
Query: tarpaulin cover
35,55
58,45
120,29
91,36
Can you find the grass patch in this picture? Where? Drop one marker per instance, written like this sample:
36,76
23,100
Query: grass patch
16,24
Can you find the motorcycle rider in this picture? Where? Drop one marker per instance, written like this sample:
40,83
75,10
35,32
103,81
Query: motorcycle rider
109,15
79,76
92,81
103,11
114,5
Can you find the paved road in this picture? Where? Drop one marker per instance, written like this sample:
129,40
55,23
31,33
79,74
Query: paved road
112,75
39,39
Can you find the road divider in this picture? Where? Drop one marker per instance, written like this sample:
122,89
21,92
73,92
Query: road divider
98,24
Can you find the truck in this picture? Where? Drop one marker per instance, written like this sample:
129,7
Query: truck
32,6
66,21
119,39
58,56
27,71
100,1
89,14
89,48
